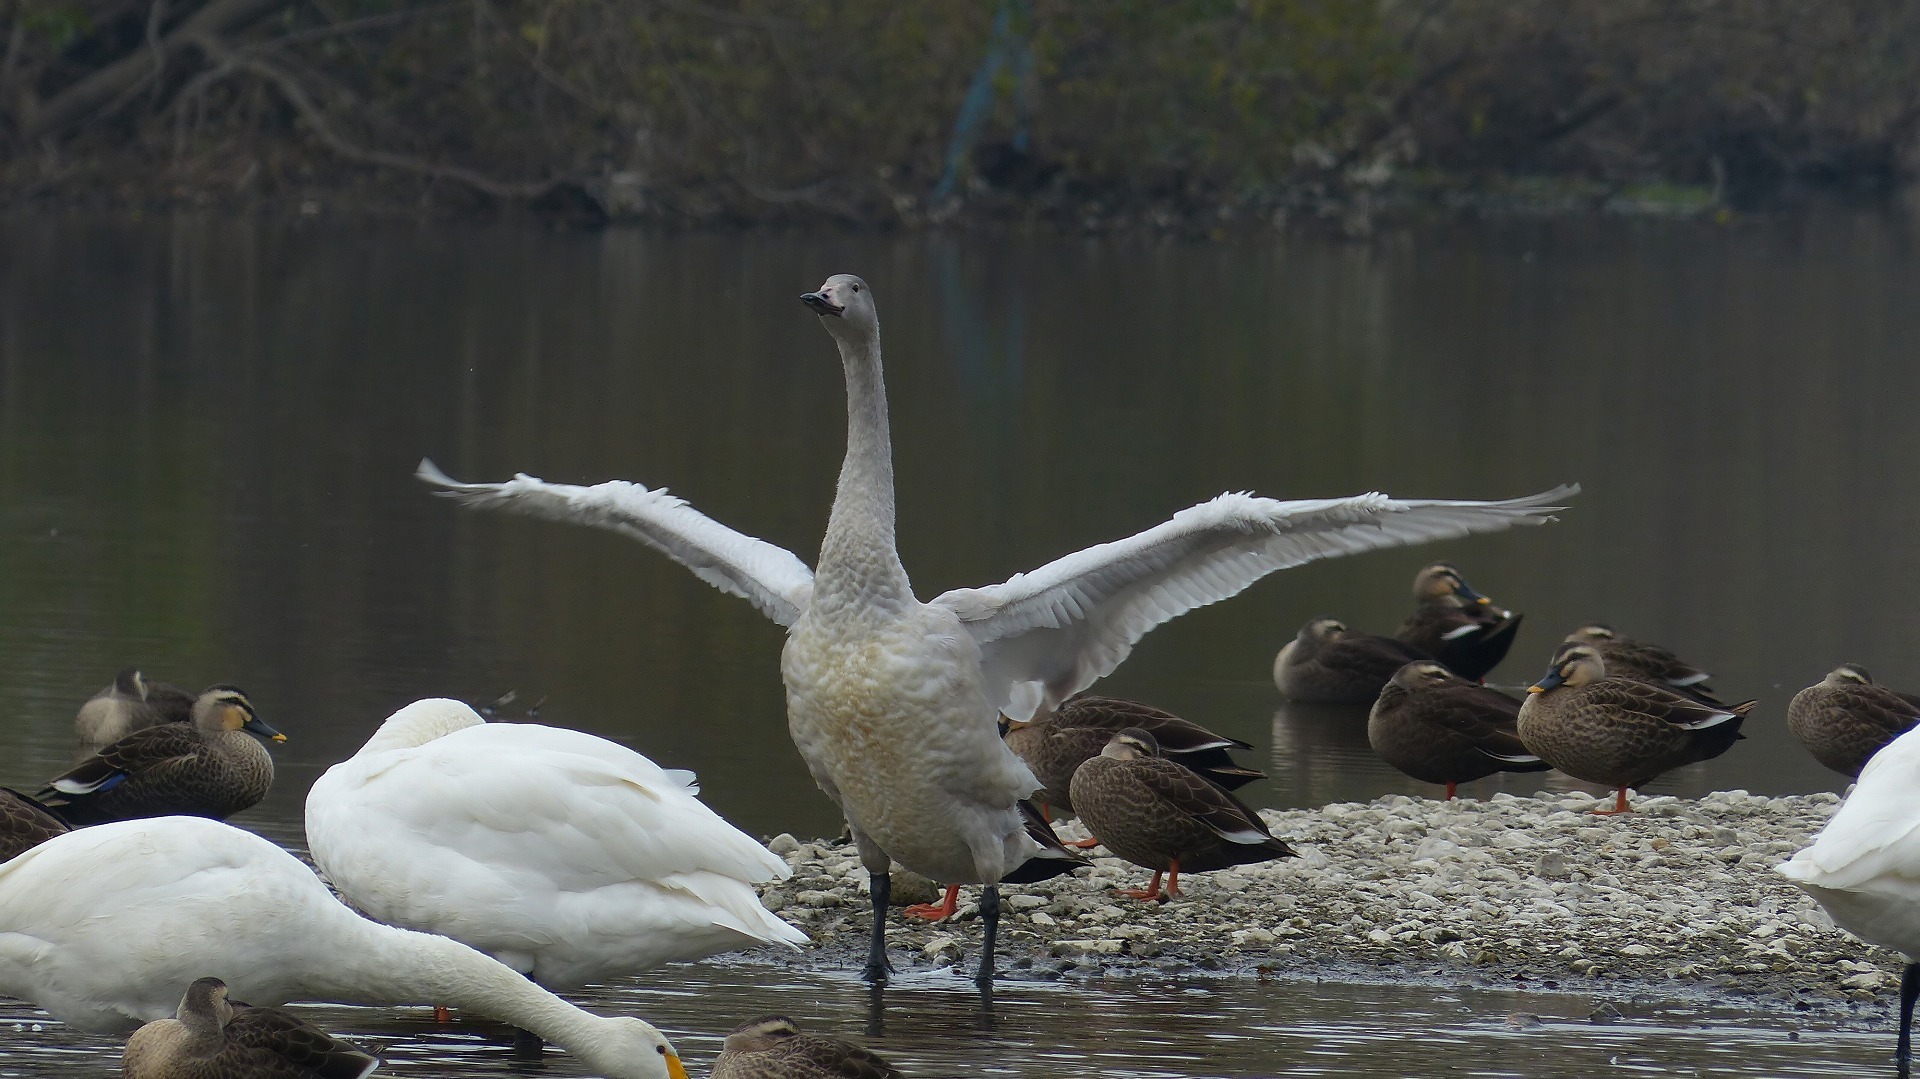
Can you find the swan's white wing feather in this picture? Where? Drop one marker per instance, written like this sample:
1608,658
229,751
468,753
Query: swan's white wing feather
769,577
1048,634
1873,840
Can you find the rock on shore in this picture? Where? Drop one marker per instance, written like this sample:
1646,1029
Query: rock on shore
1534,891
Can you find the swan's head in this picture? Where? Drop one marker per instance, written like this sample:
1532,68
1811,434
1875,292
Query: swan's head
845,306
226,708
1132,744
1592,632
1573,665
422,722
1848,674
1422,674
627,1048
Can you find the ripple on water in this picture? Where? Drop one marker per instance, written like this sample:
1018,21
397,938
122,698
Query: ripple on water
935,1026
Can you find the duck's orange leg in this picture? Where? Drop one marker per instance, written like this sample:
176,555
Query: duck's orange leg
441,1014
1082,844
1619,804
933,912
1148,894
1450,785
1173,879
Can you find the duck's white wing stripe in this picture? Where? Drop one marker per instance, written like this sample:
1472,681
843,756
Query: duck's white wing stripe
1048,634
769,577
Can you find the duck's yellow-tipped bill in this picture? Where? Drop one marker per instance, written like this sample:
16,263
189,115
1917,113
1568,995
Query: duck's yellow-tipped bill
1536,689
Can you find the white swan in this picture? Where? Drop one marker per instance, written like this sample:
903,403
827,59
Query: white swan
1864,866
893,702
567,857
105,927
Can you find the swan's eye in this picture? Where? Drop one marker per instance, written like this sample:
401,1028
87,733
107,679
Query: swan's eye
856,288
661,1049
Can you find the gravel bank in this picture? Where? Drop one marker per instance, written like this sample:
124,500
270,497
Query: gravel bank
1533,892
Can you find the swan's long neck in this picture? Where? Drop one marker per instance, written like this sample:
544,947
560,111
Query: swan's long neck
399,966
860,567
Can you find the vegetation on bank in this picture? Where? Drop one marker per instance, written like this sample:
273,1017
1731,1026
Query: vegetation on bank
1204,114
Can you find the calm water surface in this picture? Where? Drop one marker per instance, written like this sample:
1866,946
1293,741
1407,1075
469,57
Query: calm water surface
207,432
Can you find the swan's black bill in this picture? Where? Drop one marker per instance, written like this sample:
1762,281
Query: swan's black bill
821,305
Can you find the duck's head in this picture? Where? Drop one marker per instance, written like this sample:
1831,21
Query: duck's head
130,683
1131,743
206,1002
1573,665
759,1035
845,307
1592,633
1441,580
1321,631
1422,674
1848,674
226,708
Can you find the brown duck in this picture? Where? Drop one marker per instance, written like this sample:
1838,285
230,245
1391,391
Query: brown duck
1456,625
1628,658
1618,731
212,767
211,1037
1166,818
25,824
1440,728
773,1048
131,703
1055,746
1845,719
1329,664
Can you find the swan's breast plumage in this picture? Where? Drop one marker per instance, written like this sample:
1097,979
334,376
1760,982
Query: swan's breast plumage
892,720
566,856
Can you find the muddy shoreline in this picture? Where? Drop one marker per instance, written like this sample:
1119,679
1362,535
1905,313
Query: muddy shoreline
1676,900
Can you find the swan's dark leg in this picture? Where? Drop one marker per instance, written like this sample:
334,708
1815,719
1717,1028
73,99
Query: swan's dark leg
1909,990
990,915
525,1042
877,966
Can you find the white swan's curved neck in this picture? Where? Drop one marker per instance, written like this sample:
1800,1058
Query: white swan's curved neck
859,566
399,966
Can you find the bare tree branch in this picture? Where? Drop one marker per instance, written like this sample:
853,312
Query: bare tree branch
316,121
83,99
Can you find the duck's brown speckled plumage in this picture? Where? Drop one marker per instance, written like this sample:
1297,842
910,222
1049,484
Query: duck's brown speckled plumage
208,768
1648,662
1329,664
771,1047
213,1038
1154,813
1619,731
1456,625
1055,746
1440,728
24,824
1845,719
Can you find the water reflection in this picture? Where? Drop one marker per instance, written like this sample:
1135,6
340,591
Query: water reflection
1154,1027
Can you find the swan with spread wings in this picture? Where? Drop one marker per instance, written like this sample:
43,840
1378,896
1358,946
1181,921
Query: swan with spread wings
893,703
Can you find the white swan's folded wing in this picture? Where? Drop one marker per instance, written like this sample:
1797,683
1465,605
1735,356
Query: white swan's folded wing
1048,634
769,577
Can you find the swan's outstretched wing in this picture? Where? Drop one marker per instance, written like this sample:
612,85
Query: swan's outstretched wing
1046,635
771,578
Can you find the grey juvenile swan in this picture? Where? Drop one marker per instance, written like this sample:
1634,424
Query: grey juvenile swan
893,702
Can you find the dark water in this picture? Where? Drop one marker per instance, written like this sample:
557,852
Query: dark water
207,432
934,1027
